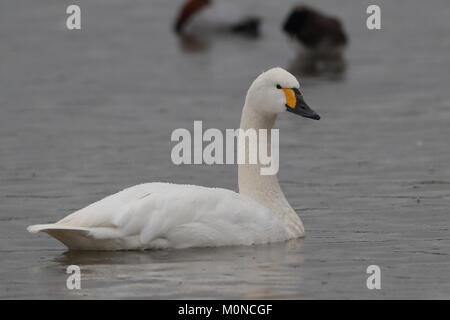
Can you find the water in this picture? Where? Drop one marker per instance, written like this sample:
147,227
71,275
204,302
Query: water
85,114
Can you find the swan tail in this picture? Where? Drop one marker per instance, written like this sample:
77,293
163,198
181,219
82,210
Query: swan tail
50,227
82,238
71,237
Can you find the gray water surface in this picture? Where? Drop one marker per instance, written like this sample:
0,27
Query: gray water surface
84,114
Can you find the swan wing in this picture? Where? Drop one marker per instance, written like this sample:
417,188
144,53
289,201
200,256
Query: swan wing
103,213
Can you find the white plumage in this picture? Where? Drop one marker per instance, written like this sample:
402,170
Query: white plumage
163,215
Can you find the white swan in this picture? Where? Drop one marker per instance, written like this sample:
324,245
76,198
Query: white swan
163,215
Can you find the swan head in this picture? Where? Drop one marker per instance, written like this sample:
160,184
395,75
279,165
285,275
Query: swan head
276,91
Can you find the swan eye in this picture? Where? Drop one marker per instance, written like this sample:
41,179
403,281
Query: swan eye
278,86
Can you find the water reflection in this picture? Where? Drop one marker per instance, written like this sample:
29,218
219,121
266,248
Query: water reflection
271,251
313,64
250,272
191,42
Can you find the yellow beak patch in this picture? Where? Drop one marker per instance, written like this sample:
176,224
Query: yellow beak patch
291,101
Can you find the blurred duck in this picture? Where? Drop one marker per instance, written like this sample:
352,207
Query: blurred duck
200,17
314,30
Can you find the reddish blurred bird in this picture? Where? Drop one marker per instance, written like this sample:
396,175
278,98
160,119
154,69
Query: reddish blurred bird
197,17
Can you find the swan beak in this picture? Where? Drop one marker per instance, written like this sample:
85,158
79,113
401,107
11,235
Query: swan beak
296,104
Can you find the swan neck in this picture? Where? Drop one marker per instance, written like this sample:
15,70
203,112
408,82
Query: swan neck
265,189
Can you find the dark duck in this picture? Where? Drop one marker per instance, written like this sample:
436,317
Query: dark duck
315,30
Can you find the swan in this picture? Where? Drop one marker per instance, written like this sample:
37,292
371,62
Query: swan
165,215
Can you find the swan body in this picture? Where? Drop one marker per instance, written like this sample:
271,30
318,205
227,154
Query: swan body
164,215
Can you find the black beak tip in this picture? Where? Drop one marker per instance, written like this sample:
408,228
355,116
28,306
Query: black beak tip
316,117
